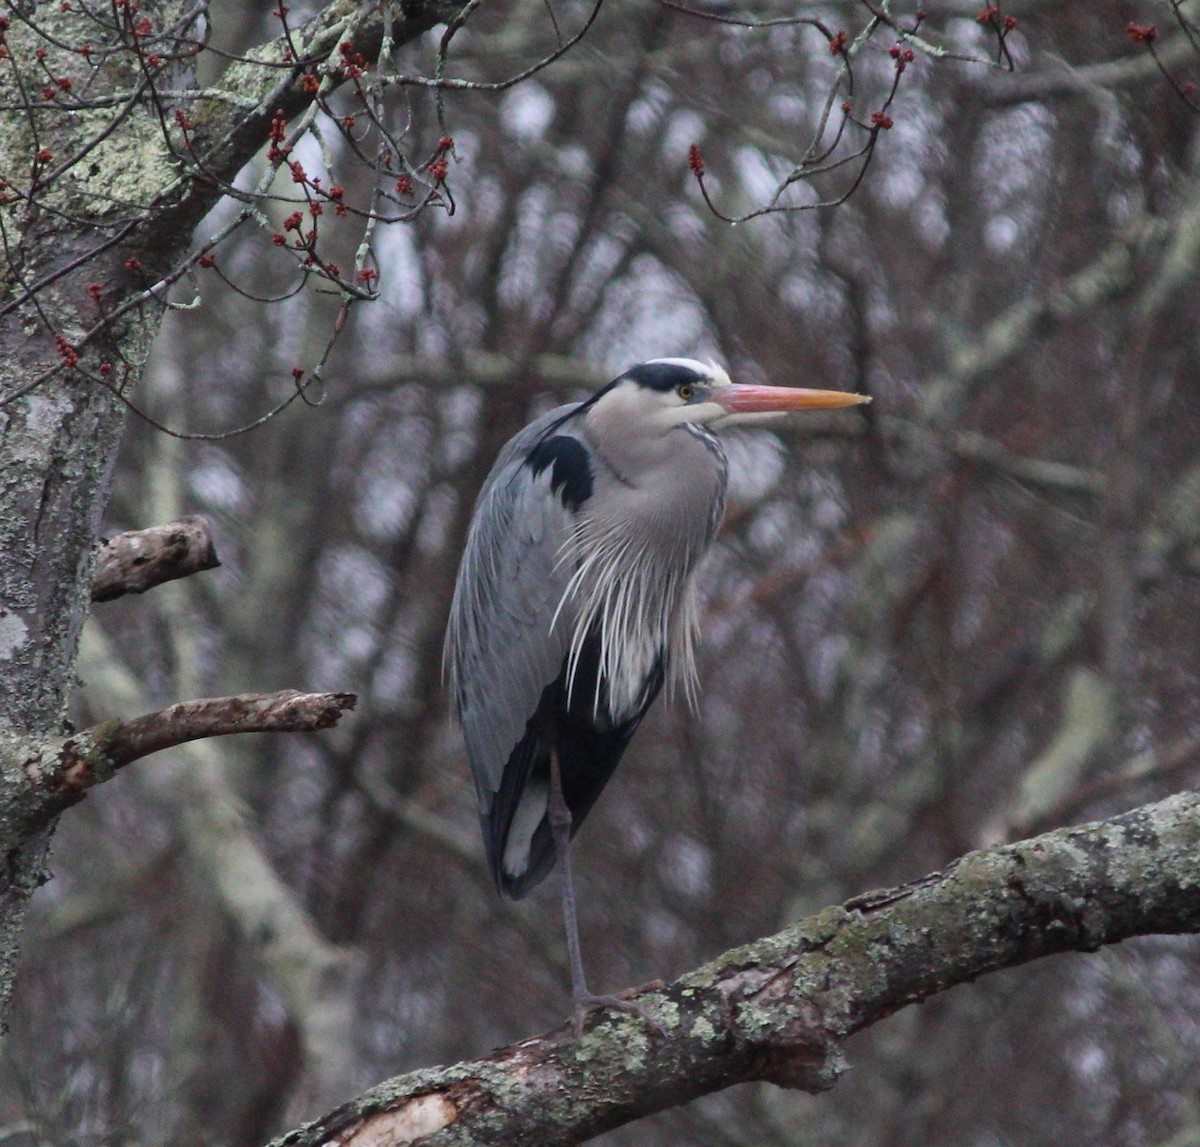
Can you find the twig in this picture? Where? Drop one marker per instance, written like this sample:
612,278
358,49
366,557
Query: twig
288,711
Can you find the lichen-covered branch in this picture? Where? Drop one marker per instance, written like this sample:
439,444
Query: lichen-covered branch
138,560
781,1008
39,778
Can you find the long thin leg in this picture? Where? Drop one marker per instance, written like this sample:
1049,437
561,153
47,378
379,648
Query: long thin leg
560,831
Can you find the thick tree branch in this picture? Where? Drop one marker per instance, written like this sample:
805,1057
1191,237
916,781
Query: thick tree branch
138,560
781,1008
40,778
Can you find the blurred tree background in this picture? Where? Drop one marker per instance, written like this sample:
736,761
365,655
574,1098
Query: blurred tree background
966,617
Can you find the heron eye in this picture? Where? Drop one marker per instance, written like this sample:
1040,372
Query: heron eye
686,391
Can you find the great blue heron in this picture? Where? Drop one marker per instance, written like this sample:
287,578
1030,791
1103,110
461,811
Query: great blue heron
574,602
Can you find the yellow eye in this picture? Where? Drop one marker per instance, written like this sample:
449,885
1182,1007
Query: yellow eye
685,392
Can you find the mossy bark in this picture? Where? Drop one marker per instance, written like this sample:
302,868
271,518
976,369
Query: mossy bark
781,1008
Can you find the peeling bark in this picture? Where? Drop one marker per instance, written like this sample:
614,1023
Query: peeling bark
138,560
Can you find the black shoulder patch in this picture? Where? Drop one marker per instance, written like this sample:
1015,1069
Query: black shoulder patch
570,468
663,375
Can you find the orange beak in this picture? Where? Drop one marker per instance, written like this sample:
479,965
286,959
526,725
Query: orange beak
739,399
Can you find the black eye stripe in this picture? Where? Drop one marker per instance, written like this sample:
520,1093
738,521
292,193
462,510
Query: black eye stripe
663,376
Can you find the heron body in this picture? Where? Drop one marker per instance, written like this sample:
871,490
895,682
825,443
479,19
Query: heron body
575,599
574,603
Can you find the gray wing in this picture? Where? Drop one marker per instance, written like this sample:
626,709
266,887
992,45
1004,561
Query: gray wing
501,648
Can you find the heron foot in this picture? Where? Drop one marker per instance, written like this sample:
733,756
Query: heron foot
588,1002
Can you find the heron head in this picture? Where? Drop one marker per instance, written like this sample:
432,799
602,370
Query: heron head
668,392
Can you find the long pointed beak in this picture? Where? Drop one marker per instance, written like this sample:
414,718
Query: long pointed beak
741,399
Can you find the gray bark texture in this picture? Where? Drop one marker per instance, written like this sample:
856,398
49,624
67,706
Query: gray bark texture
780,1009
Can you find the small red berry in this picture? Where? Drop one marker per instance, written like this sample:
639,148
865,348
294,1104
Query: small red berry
68,354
